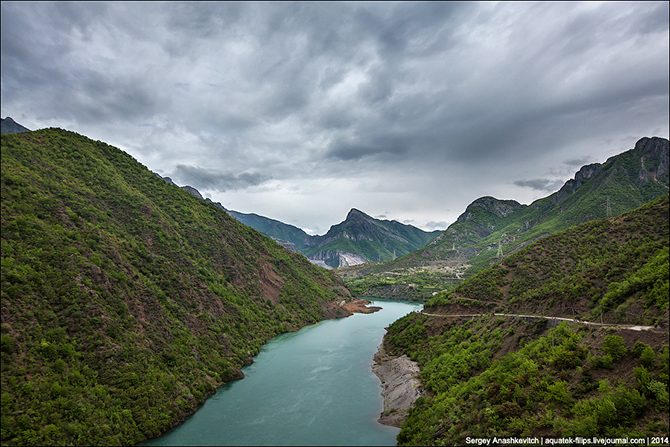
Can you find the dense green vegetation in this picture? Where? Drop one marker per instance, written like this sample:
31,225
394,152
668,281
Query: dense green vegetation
561,381
416,285
502,376
615,267
125,300
489,225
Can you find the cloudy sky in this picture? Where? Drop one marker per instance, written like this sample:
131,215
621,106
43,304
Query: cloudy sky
301,111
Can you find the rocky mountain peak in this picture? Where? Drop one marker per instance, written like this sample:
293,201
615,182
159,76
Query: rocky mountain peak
585,173
500,208
167,179
356,214
652,145
194,192
653,153
8,125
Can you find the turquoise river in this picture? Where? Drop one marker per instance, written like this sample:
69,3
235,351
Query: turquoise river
311,387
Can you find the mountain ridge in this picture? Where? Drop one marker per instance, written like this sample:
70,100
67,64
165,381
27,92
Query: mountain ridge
535,212
285,234
9,126
368,238
358,239
490,228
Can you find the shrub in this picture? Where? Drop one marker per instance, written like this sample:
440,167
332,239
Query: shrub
614,346
647,356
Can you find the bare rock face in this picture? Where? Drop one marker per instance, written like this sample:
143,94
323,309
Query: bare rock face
194,192
585,173
401,386
349,259
336,258
653,154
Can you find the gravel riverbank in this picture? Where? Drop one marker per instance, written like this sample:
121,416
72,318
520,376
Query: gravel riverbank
400,385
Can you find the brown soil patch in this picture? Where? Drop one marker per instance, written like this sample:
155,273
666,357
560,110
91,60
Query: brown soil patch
333,310
271,283
359,306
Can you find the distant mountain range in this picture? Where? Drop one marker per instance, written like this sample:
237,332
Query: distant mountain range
361,238
491,228
289,236
357,240
8,126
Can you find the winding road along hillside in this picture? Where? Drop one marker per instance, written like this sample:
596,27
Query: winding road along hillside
630,327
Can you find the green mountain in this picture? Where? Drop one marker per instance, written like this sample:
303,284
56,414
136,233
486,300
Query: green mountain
287,235
491,228
125,300
9,126
361,238
357,240
508,375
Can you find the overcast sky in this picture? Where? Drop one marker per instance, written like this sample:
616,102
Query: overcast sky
301,111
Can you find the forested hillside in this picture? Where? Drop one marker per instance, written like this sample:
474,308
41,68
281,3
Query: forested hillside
507,375
125,300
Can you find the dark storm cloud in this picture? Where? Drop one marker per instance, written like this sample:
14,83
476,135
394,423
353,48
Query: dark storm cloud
385,146
578,162
437,92
215,180
540,184
60,81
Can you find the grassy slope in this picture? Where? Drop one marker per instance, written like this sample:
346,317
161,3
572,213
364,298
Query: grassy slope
126,301
509,377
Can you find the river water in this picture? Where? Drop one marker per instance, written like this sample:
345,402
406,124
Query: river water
311,387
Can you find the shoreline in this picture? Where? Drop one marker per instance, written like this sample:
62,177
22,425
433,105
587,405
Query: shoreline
360,306
400,384
332,311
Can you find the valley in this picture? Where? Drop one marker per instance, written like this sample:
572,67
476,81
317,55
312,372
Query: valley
311,387
126,232
358,240
334,223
